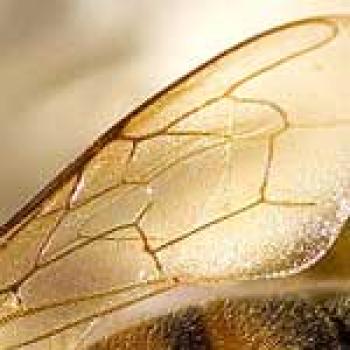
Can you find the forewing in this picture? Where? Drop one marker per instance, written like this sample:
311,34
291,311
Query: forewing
238,171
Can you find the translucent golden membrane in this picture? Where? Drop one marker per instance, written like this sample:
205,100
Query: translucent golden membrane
238,171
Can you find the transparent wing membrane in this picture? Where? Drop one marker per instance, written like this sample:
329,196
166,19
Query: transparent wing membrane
238,171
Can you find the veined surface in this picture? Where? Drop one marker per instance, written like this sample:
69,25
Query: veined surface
238,171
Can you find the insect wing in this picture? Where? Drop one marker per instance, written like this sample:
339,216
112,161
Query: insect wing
240,170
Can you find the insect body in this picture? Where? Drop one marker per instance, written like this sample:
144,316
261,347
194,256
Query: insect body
238,171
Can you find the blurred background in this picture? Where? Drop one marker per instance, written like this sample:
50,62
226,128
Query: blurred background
69,69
